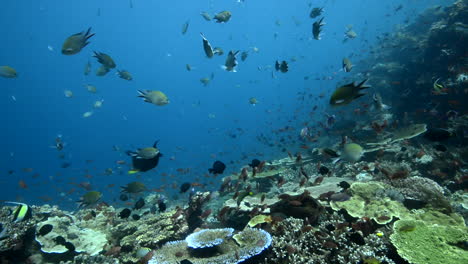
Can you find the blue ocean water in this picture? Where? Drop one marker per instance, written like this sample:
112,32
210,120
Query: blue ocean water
201,124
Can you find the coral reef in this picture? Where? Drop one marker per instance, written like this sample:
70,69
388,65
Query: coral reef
435,243
242,246
65,235
333,241
366,203
208,237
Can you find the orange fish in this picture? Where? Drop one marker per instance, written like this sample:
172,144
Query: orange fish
22,184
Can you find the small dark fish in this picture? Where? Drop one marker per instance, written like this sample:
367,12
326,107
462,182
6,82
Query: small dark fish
205,214
123,197
206,16
69,246
345,185
45,229
330,152
76,42
184,187
316,11
207,46
65,165
3,232
440,147
254,163
244,55
339,197
105,60
345,94
347,65
231,61
318,180
317,28
283,66
185,27
162,206
136,217
218,168
125,213
139,204
222,17
438,134
60,240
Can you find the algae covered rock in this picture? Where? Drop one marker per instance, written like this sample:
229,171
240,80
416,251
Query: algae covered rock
421,242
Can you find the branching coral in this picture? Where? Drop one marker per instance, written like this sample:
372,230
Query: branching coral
333,241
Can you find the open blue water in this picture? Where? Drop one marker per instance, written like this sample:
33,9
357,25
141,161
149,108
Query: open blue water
146,40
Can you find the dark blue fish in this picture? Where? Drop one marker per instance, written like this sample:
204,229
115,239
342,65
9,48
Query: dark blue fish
218,167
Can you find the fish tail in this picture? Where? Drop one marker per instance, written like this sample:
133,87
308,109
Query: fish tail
362,85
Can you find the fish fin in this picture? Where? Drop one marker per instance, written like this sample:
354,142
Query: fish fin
90,36
131,153
334,161
358,95
362,85
155,144
15,203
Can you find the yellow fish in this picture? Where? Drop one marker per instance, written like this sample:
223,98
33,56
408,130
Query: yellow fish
8,72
